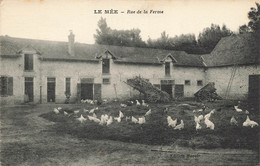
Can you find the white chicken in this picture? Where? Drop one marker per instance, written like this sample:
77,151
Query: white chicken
233,121
137,102
238,109
198,126
94,119
123,105
144,104
121,115
85,110
59,108
118,119
179,126
249,122
127,118
148,112
94,115
92,110
56,111
102,120
171,122
209,124
110,120
81,119
246,112
76,111
65,113
141,120
207,116
134,120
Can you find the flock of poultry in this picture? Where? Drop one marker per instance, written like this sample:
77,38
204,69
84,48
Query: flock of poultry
107,120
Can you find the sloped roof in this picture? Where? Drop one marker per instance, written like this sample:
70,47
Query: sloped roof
54,50
236,49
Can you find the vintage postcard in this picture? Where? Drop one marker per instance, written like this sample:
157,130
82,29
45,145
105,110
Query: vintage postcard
129,82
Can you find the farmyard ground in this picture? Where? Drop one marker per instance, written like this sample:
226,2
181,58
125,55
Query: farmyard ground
29,139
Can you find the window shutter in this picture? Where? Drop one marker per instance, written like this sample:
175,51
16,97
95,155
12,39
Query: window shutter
10,86
97,91
1,85
78,92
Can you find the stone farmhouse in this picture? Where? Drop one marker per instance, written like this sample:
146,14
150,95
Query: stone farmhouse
42,71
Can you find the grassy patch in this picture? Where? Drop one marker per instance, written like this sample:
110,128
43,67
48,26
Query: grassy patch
156,130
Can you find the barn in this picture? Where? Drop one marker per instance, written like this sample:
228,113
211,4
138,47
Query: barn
41,71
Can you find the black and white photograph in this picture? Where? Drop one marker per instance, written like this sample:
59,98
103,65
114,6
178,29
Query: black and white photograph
129,82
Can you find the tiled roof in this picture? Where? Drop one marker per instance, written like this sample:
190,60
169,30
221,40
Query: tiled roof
239,49
53,50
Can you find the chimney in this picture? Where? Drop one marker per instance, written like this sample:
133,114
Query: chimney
71,38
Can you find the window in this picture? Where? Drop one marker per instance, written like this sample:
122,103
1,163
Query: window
167,68
106,66
67,86
199,83
6,86
106,81
187,82
28,61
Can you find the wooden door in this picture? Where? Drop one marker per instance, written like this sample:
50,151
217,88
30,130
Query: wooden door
28,89
179,91
51,86
167,88
86,91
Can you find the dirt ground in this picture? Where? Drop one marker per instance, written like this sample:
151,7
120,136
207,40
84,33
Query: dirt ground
27,139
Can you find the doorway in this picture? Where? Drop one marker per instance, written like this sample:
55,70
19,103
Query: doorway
167,88
51,83
86,91
28,89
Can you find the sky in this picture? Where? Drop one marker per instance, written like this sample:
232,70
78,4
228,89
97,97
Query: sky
52,19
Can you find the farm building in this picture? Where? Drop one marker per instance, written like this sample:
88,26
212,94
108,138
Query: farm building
42,71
